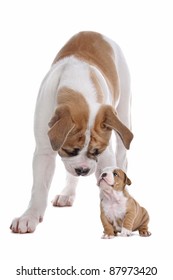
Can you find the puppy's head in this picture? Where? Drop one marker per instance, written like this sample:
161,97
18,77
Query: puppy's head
113,179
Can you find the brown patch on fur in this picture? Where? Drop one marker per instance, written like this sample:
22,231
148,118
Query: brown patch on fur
121,181
136,218
92,48
106,120
69,123
96,83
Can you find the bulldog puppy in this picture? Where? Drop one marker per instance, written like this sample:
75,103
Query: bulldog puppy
119,211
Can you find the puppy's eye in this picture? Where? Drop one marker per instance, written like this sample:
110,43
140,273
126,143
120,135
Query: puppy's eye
115,174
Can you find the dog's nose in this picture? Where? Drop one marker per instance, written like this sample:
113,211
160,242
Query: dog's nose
82,171
104,175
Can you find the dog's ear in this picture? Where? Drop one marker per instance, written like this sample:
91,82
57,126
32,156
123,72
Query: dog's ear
127,180
60,126
111,121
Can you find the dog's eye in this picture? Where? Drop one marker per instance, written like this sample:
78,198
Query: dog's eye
96,152
115,174
72,153
75,152
93,154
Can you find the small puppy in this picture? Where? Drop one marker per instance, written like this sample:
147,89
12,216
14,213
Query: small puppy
119,211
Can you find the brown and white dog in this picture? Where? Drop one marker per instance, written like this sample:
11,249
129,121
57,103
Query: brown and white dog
84,96
119,211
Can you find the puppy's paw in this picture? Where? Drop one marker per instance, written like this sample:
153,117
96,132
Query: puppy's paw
25,224
107,236
63,200
125,232
144,233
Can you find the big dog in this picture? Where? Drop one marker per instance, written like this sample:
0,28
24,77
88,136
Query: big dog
84,96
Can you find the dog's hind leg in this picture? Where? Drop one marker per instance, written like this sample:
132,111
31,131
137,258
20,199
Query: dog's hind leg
67,196
143,229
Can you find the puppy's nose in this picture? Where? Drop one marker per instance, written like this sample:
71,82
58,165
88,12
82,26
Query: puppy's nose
82,171
104,175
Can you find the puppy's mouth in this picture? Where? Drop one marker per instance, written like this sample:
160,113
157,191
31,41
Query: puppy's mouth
103,179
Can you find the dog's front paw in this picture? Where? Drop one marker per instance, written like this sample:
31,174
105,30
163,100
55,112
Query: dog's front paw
107,236
25,224
125,232
63,200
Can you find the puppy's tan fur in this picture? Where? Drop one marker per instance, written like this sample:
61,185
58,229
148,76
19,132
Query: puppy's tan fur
131,217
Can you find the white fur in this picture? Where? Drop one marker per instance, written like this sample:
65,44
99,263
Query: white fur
73,73
113,203
106,236
125,232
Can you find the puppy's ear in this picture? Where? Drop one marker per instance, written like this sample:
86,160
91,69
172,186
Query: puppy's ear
60,126
111,121
127,180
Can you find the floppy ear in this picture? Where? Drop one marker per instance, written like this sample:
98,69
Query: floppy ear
112,121
127,180
60,126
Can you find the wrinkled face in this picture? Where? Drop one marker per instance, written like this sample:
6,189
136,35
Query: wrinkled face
113,179
80,146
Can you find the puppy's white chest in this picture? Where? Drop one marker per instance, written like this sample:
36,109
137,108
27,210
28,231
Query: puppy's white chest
115,208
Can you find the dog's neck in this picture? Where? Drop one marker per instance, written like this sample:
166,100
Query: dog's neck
112,196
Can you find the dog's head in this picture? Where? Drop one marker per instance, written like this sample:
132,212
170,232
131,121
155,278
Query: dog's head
113,179
77,141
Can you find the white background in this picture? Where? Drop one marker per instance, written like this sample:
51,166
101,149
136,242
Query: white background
31,33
